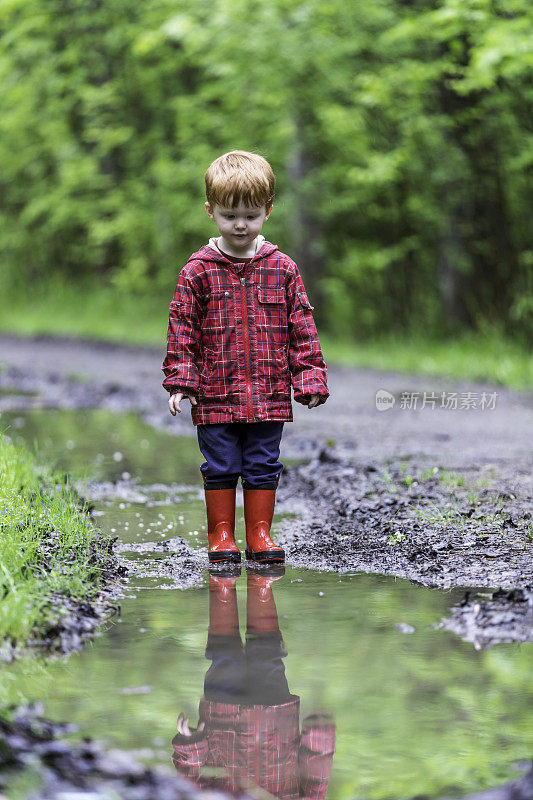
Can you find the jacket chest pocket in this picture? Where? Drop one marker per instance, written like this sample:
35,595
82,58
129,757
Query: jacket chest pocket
271,308
216,317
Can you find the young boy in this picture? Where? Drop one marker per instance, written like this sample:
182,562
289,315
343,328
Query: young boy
240,332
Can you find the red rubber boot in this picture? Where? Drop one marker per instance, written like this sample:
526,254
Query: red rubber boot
258,513
223,611
261,611
220,505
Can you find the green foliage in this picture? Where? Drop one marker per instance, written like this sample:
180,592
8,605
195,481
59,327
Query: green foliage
399,134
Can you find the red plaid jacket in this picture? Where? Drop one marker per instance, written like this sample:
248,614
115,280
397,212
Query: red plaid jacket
248,746
239,335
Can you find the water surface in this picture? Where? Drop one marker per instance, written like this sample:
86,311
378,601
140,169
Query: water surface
415,714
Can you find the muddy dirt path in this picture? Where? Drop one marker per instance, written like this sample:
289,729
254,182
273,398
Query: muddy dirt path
436,489
74,373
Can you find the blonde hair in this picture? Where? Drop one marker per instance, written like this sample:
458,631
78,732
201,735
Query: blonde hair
238,177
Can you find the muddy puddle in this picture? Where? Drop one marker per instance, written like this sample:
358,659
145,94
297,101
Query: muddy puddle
393,705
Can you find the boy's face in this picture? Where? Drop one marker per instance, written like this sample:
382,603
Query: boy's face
238,225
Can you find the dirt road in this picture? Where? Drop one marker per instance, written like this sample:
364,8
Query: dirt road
436,489
78,373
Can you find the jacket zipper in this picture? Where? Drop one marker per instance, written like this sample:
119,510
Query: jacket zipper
244,310
257,726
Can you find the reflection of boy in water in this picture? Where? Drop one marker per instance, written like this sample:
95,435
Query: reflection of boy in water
248,733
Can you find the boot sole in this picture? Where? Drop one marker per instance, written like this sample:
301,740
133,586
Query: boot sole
225,569
224,555
267,570
266,556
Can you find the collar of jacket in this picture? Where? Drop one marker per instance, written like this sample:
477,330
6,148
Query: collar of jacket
209,253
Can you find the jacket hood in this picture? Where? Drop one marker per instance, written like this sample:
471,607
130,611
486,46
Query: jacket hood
210,251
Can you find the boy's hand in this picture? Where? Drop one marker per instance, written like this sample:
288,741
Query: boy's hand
309,400
174,402
185,730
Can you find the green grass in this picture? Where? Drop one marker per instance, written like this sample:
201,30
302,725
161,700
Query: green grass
451,480
452,514
472,356
106,313
47,545
84,311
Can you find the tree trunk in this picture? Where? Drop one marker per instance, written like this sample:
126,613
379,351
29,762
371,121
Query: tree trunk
307,236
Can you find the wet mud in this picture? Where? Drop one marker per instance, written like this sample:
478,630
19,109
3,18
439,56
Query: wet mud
172,562
487,620
419,522
74,623
433,526
86,771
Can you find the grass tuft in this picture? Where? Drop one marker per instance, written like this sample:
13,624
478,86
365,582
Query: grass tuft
50,549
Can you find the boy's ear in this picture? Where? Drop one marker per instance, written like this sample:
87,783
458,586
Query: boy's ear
209,210
268,211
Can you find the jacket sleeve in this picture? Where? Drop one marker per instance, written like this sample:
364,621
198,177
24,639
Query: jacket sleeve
183,337
189,756
306,362
317,748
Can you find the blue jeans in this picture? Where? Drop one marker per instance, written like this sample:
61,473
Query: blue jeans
248,449
254,675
